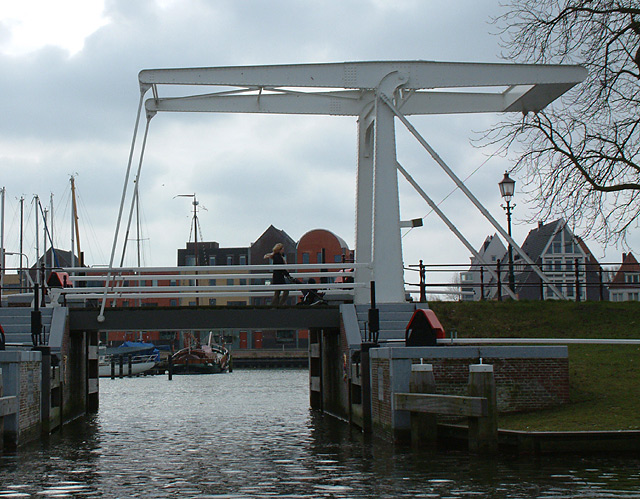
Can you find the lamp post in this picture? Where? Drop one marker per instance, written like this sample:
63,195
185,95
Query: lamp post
507,188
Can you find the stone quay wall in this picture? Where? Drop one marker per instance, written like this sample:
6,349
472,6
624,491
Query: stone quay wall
22,378
527,378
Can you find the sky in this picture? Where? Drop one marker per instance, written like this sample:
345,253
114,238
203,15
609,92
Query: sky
69,93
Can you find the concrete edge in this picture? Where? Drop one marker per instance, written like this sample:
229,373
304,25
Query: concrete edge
14,356
469,352
58,327
350,321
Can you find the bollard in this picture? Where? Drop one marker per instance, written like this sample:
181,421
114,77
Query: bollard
121,365
129,363
424,426
170,369
113,367
483,431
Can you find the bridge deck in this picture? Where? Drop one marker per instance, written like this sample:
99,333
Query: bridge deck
204,318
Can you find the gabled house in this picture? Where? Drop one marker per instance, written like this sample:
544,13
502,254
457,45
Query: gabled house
476,283
564,258
625,285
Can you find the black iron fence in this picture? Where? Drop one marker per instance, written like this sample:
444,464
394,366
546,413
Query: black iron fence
575,280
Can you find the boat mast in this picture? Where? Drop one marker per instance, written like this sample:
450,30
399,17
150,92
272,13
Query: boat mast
195,227
36,202
45,219
21,240
138,227
74,217
2,248
52,261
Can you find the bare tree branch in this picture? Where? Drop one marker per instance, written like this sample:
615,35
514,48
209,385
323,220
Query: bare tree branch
581,156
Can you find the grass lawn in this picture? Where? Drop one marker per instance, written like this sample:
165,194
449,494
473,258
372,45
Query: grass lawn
604,379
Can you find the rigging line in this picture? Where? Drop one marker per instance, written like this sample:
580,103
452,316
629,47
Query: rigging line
456,188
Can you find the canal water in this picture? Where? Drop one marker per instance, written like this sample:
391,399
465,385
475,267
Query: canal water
250,433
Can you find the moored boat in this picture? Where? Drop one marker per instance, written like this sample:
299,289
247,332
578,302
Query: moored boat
135,358
201,359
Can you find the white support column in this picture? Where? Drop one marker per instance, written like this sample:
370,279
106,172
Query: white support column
364,206
387,271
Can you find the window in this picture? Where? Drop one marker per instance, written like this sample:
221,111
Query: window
212,301
634,296
212,282
192,303
319,257
556,247
229,259
212,260
229,282
173,282
305,258
243,259
285,336
173,302
466,277
632,278
243,282
190,260
337,258
236,303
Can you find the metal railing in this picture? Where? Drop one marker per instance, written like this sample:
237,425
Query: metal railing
576,279
246,281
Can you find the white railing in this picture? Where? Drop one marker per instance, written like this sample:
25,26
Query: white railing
130,283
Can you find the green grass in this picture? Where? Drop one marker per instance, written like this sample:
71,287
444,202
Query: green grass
604,379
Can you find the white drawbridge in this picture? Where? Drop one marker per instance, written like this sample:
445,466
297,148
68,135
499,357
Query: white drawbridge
376,93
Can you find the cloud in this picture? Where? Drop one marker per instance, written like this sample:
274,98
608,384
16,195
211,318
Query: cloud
68,111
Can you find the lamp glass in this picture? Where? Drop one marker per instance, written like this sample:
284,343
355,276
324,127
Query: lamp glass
507,187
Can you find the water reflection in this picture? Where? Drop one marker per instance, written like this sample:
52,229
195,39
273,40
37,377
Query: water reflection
251,434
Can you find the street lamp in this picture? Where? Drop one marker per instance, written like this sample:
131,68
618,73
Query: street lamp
507,188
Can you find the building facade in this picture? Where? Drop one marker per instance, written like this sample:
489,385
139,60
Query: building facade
564,258
625,285
476,283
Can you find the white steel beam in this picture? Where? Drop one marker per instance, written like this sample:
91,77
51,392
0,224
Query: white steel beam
386,262
367,75
352,102
364,205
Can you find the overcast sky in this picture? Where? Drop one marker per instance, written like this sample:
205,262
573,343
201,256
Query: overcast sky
69,91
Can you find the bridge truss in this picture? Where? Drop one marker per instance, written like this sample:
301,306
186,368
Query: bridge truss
375,93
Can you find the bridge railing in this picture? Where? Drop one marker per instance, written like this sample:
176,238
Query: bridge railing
246,281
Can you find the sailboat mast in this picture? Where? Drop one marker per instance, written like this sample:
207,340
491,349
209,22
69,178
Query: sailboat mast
36,202
138,227
21,240
51,230
195,227
75,218
2,256
45,220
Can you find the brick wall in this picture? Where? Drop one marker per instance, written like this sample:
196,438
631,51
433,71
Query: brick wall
30,387
381,414
527,378
521,384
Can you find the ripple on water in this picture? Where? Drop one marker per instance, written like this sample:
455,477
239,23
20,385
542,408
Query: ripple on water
250,434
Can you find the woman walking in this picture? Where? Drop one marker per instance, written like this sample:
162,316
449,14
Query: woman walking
277,255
